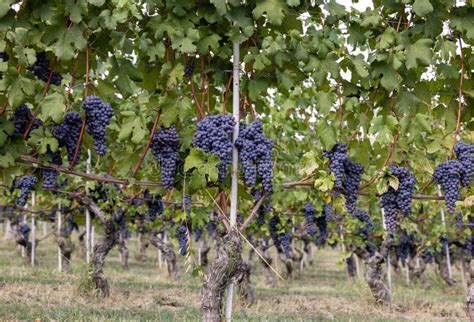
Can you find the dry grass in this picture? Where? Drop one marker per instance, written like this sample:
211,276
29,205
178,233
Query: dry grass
322,292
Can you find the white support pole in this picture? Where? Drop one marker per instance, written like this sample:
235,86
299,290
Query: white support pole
45,228
23,248
88,215
33,229
389,270
235,160
59,222
443,221
92,238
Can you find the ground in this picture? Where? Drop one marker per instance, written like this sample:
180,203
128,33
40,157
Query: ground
322,292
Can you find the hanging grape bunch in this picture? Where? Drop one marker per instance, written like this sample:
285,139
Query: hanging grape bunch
448,176
264,208
214,135
21,119
98,116
459,222
465,155
327,211
337,157
182,235
322,225
25,184
50,176
189,69
67,133
364,217
273,228
4,57
284,242
255,151
309,212
40,69
154,203
165,146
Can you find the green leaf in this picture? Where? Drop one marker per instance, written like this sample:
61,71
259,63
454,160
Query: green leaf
324,101
53,106
5,7
96,3
420,51
360,66
274,10
422,7
41,140
220,6
326,134
195,159
68,41
6,160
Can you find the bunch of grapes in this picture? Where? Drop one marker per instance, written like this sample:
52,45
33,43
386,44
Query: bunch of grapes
211,227
448,176
154,203
327,211
323,230
182,235
388,202
21,119
121,221
284,242
405,188
4,57
197,233
309,213
427,256
264,208
273,228
214,135
188,70
25,231
70,225
165,146
459,222
353,174
240,218
40,69
187,204
350,265
98,116
364,217
464,153
337,157
255,151
468,249
406,248
50,176
25,184
67,133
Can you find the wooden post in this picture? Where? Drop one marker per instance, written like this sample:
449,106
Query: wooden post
59,221
33,229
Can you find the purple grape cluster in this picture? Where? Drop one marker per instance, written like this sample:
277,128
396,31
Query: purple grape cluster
464,153
50,176
405,190
459,222
327,211
154,203
214,135
273,229
67,133
187,204
211,227
309,213
255,151
98,116
25,231
364,217
40,69
70,225
427,256
388,202
25,184
337,157
188,70
406,247
448,176
182,235
264,208
4,57
165,146
21,119
284,242
198,233
322,225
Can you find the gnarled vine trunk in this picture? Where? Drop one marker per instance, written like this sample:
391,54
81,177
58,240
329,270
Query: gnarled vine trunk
101,249
168,252
223,269
122,247
66,247
144,243
266,261
22,241
374,273
82,244
443,269
204,252
246,289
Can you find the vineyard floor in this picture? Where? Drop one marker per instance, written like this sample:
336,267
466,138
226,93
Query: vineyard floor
322,292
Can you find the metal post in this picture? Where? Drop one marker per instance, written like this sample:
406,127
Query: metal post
235,160
88,215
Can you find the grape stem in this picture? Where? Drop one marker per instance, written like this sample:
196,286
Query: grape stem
147,147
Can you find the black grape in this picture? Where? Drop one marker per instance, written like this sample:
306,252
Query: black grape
448,176
98,116
309,213
459,222
364,217
197,233
40,69
405,188
388,202
25,231
353,174
188,70
255,152
154,203
182,235
67,133
25,184
321,222
165,146
187,204
264,208
327,211
427,256
211,227
214,135
337,157
4,57
70,226
50,176
284,241
464,153
273,228
22,117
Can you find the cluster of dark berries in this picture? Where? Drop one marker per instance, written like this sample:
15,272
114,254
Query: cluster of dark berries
182,235
188,70
50,176
165,146
98,116
21,119
25,184
67,133
4,57
154,203
40,69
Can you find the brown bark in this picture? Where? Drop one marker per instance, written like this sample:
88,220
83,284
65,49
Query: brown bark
443,269
204,249
82,244
223,269
374,273
66,247
20,240
168,252
246,289
144,243
122,247
101,249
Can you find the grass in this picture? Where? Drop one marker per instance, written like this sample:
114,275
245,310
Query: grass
145,292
